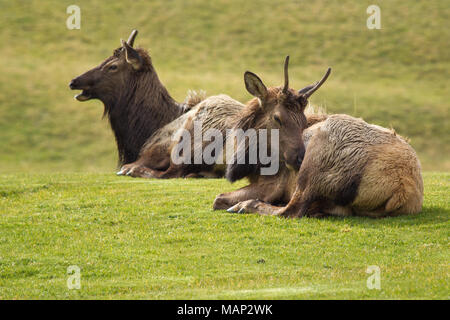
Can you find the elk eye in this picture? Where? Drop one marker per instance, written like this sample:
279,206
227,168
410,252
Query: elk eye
303,101
112,67
277,119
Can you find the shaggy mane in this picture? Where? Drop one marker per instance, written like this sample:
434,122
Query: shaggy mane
193,98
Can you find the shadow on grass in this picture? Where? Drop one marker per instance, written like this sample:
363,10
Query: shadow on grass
430,215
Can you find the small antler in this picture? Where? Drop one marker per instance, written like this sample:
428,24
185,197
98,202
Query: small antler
132,37
286,75
317,85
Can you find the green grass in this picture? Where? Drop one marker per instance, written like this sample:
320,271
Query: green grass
135,238
396,76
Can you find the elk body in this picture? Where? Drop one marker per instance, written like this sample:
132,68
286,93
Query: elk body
135,100
155,161
350,168
272,108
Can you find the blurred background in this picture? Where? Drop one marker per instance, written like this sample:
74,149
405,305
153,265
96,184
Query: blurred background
397,76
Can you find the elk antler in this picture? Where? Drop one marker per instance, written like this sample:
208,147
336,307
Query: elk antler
318,84
286,75
132,37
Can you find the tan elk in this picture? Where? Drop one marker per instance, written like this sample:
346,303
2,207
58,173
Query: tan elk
272,108
135,100
350,168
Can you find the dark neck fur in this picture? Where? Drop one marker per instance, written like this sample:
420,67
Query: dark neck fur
138,112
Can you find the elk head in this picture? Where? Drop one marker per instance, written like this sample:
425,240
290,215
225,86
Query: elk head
114,74
279,108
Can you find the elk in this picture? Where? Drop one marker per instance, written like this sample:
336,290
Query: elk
350,168
155,160
135,100
272,108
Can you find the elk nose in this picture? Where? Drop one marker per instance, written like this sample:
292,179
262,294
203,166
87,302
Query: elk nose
300,157
72,84
299,162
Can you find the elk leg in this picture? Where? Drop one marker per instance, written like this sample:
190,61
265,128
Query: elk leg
204,174
301,204
309,208
174,171
253,191
255,206
126,168
141,165
140,172
136,170
159,164
194,176
291,210
155,157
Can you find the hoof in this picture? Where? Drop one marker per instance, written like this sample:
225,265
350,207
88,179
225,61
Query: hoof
235,209
247,206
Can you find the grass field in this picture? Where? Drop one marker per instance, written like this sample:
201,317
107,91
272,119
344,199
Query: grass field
62,205
135,238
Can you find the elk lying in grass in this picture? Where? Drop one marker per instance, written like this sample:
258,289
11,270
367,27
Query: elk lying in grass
350,168
135,101
155,158
278,107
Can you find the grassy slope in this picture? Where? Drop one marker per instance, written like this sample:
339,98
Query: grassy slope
159,239
397,76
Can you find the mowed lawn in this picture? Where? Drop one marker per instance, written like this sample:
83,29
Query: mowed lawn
157,239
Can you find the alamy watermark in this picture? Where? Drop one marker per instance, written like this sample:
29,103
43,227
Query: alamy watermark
74,279
242,147
374,20
374,281
74,20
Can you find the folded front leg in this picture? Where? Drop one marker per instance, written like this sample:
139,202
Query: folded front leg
135,170
268,193
298,206
256,206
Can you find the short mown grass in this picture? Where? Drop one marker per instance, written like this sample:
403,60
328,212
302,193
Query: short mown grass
135,238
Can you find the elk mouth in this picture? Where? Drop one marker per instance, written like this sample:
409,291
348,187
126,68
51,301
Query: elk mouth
292,167
86,92
84,95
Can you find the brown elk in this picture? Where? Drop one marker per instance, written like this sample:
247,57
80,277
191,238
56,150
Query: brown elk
154,160
272,108
275,189
135,101
350,168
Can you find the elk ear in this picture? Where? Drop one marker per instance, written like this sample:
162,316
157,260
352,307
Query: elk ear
132,56
255,86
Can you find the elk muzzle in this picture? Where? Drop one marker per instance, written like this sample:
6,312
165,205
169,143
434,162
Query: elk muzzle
295,159
79,84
